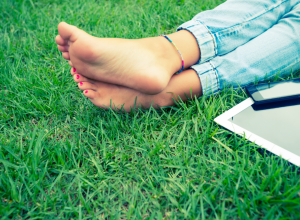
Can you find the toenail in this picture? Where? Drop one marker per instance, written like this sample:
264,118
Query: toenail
81,83
77,76
86,91
74,70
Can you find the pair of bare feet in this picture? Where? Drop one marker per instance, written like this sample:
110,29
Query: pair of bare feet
130,73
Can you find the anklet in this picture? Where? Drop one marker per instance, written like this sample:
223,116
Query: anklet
177,50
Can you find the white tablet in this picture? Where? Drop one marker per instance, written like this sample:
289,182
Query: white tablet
276,129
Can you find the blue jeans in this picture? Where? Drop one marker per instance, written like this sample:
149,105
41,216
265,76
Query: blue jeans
242,41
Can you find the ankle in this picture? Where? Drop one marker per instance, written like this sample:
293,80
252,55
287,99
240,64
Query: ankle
169,54
187,45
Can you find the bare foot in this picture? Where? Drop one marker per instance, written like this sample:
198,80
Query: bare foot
106,95
145,65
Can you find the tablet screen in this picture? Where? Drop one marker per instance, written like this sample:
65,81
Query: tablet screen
280,90
280,125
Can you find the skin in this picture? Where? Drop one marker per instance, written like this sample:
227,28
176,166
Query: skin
130,73
101,94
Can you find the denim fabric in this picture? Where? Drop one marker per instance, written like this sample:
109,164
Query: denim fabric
246,40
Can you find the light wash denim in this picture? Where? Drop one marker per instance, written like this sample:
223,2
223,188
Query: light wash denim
242,41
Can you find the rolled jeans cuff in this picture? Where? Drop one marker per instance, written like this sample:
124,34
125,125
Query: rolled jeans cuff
205,39
208,78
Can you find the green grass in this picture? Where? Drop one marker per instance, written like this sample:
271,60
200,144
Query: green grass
63,158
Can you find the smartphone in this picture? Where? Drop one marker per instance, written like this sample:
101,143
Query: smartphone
275,91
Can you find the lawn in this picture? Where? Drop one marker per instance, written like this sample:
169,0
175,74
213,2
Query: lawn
63,158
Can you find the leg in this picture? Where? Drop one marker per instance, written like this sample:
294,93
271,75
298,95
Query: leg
144,64
234,23
148,64
276,50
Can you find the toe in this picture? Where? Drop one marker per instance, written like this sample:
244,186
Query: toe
68,32
70,63
90,94
80,78
86,86
60,41
73,71
63,48
66,55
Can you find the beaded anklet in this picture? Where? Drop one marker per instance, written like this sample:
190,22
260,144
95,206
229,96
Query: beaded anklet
177,50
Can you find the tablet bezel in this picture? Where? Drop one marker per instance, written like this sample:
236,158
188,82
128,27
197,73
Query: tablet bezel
275,149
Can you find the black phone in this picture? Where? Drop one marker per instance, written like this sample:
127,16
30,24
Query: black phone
275,91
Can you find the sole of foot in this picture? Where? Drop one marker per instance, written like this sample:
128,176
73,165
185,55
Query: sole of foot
145,65
105,95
